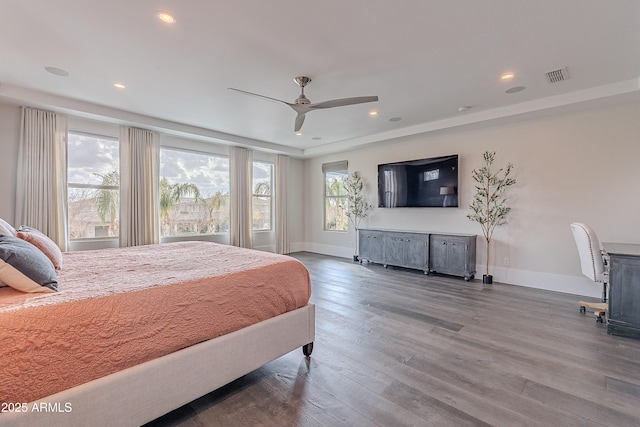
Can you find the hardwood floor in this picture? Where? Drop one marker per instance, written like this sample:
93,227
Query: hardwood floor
395,347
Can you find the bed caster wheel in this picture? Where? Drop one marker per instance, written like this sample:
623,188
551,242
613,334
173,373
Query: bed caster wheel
583,309
599,320
307,349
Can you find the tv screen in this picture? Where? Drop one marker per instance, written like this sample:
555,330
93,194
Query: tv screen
423,183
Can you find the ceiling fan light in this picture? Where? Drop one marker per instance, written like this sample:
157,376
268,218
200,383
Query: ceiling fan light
57,71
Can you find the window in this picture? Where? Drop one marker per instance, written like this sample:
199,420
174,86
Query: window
194,193
262,195
335,196
93,186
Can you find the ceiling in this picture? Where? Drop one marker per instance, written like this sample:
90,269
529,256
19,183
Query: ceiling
425,60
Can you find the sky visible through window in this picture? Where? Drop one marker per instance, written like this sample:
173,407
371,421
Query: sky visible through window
209,172
90,156
262,174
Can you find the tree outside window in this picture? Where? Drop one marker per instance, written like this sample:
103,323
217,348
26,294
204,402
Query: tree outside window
335,201
194,193
262,196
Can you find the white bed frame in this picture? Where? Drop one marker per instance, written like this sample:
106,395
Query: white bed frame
142,393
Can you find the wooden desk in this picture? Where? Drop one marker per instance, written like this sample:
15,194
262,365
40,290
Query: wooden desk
624,284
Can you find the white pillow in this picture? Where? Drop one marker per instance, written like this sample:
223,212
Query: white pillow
6,228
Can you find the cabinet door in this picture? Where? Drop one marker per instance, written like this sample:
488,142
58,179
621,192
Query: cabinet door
394,249
370,245
624,300
438,252
415,252
457,256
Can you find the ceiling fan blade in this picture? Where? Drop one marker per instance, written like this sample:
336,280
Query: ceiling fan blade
342,102
262,96
299,121
303,106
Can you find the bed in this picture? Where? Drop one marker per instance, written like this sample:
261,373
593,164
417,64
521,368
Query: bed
137,332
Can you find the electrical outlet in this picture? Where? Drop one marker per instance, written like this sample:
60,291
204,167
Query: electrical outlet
506,261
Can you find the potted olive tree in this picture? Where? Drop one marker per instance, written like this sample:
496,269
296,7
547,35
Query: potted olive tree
357,205
489,207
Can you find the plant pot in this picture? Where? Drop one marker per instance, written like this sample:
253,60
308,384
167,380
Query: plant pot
487,279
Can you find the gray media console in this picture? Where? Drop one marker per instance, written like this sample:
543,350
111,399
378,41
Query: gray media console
453,254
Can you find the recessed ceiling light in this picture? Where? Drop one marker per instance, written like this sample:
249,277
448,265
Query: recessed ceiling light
395,119
515,89
316,138
298,133
166,17
373,113
57,71
507,76
464,108
119,85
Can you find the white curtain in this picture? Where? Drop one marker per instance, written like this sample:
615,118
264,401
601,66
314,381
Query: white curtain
240,169
139,199
282,204
41,193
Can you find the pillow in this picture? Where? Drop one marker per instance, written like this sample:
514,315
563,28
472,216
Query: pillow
6,228
27,228
24,267
42,242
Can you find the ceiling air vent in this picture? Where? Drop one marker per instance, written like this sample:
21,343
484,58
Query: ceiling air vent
556,76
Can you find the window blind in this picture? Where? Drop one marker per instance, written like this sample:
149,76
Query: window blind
341,166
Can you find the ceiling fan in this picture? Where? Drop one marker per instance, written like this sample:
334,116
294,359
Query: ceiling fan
302,105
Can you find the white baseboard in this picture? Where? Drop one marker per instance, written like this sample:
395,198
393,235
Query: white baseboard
338,251
297,247
530,279
265,248
548,281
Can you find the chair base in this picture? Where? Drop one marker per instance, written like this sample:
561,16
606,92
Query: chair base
599,309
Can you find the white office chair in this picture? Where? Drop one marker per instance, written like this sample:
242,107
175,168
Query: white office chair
593,265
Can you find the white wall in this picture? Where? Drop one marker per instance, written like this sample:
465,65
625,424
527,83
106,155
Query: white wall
580,166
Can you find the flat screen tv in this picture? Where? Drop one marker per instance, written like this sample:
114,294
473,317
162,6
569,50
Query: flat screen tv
422,183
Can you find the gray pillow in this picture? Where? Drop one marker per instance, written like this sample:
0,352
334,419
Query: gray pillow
24,267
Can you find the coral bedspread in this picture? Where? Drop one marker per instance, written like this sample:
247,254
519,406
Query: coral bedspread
120,307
